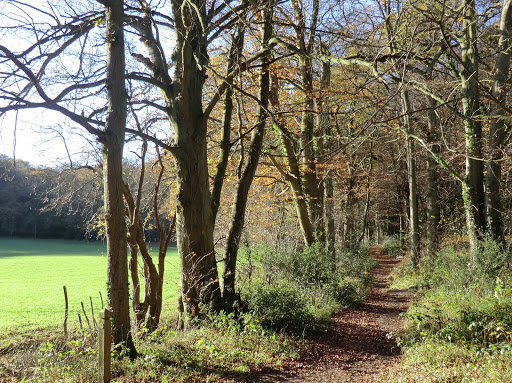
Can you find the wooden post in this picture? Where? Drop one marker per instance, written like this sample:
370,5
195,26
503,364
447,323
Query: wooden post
94,323
104,340
66,311
86,317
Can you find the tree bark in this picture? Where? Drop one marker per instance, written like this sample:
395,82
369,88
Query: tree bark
497,128
164,239
139,308
414,233
473,186
325,133
292,173
350,236
330,228
368,195
433,207
115,125
312,183
183,95
137,244
301,152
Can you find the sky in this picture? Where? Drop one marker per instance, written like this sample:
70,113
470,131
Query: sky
36,137
45,138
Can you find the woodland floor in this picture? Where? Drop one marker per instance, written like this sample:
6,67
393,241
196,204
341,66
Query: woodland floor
356,348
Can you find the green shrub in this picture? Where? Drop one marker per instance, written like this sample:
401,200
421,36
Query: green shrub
393,246
491,258
298,290
469,300
313,265
348,292
460,328
451,269
280,306
355,263
467,319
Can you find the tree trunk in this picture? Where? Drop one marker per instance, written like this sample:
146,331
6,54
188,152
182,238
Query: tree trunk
115,125
151,279
194,226
137,244
368,195
295,181
163,245
473,187
414,233
162,251
194,212
349,229
330,229
235,53
312,183
433,208
247,176
138,307
292,173
497,127
183,95
325,133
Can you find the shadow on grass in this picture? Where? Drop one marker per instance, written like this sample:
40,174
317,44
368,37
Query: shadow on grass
193,363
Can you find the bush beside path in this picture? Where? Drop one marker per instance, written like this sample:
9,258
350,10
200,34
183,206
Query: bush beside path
358,346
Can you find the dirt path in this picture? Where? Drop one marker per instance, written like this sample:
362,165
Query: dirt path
356,348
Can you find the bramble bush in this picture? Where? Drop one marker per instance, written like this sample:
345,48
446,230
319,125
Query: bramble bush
298,291
468,301
280,306
460,328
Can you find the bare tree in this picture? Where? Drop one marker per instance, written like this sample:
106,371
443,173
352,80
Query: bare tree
31,78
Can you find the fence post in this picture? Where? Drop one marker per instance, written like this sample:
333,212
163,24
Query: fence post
66,311
104,340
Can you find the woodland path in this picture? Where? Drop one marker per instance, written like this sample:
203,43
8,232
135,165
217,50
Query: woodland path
356,348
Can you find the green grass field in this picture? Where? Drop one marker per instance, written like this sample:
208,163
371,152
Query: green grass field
33,273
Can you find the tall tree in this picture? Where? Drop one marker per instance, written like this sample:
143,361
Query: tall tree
251,162
498,128
398,53
473,186
301,146
115,125
30,80
196,25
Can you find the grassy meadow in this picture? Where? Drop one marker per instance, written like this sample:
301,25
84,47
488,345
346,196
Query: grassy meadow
33,273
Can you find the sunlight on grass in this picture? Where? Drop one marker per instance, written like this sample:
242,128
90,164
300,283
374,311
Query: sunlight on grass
33,273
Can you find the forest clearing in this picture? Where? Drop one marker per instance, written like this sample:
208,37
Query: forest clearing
254,169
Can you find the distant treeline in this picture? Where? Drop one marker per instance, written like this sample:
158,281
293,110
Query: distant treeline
26,209
63,203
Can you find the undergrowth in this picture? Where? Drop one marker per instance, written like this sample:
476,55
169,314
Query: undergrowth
393,245
460,328
220,350
298,291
